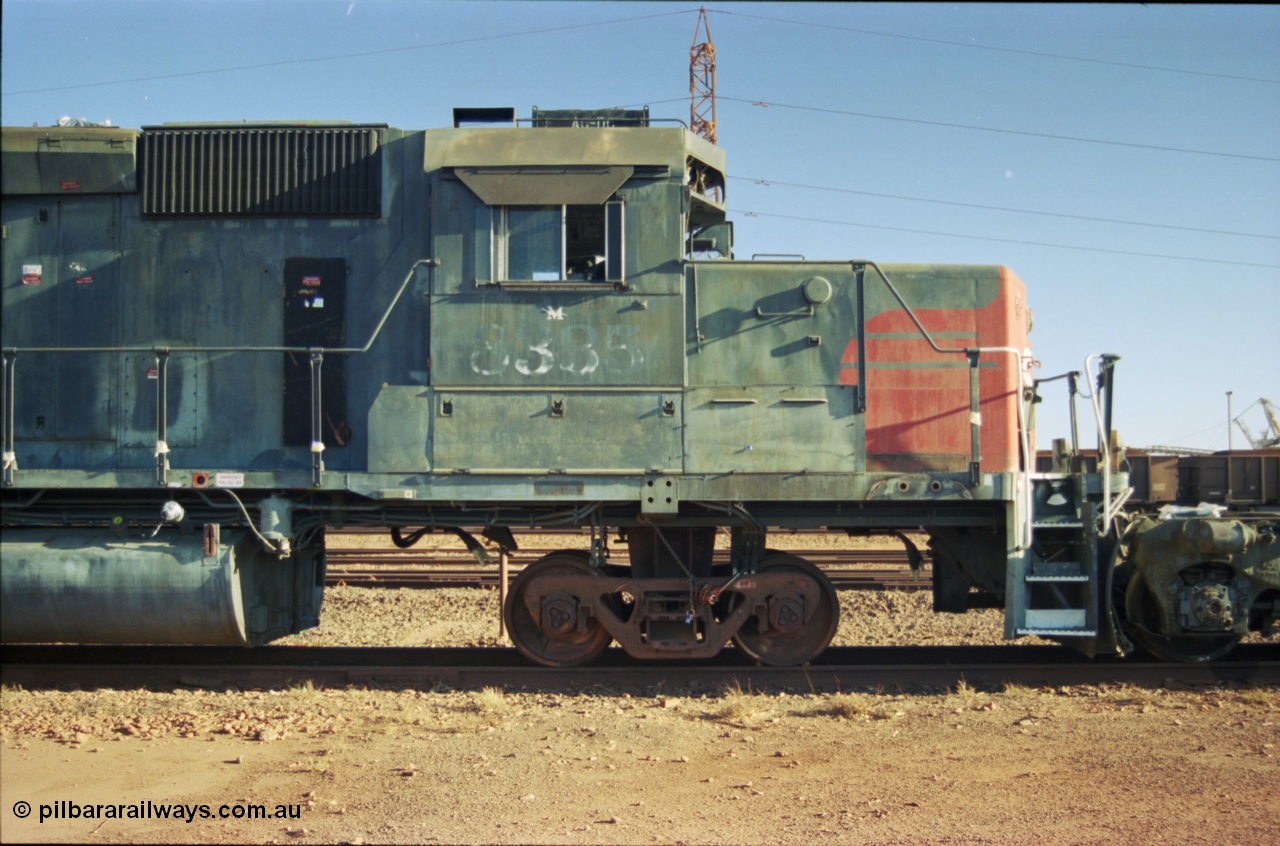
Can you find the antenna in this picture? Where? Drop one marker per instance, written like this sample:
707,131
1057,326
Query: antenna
702,81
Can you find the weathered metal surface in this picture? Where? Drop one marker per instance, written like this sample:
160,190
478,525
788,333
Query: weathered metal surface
445,576
543,350
961,308
241,170
400,430
1245,477
1154,478
772,429
562,613
544,185
530,361
590,117
94,586
572,340
67,251
559,429
767,332
1200,583
667,146
66,161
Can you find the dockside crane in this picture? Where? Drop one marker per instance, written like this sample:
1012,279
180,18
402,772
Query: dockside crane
1271,436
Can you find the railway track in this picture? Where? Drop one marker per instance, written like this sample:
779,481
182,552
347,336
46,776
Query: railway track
430,568
837,669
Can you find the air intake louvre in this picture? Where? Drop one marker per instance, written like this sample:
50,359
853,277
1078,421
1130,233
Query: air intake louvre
260,171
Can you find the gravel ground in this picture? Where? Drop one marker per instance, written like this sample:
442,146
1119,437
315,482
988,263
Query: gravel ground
468,617
356,616
961,766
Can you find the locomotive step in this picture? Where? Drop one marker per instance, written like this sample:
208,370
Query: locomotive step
1059,632
1057,571
1041,620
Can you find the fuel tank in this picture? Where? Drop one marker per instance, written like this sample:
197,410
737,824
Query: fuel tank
94,586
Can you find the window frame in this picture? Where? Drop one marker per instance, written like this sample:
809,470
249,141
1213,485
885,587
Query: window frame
492,245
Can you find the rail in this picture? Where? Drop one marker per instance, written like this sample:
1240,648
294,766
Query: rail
476,668
162,353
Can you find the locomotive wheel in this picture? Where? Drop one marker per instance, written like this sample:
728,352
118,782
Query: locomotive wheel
546,646
788,641
1143,617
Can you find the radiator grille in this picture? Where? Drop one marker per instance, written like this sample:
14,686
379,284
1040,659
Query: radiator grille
260,171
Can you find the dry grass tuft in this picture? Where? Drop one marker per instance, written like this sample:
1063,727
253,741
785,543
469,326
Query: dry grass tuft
852,706
863,706
971,699
1259,697
491,700
1020,693
738,705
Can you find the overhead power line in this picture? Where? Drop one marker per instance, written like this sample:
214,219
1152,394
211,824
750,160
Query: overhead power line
454,42
989,47
1213,428
861,225
768,104
769,182
311,60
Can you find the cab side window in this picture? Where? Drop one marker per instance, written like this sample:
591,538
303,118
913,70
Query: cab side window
567,243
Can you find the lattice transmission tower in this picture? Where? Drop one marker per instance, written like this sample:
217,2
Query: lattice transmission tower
702,81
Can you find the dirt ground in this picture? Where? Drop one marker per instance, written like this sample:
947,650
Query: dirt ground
1021,765
1078,765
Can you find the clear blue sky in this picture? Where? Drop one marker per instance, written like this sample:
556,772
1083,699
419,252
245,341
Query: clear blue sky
1125,134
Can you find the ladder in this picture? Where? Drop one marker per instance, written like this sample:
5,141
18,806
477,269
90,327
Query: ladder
1057,595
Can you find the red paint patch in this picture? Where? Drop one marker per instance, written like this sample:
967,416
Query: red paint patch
918,399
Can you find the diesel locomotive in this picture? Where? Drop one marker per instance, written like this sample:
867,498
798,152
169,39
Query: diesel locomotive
221,340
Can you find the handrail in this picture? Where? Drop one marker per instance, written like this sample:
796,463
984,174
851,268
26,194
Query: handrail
634,124
975,416
1109,509
1071,376
919,326
430,262
6,416
162,353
